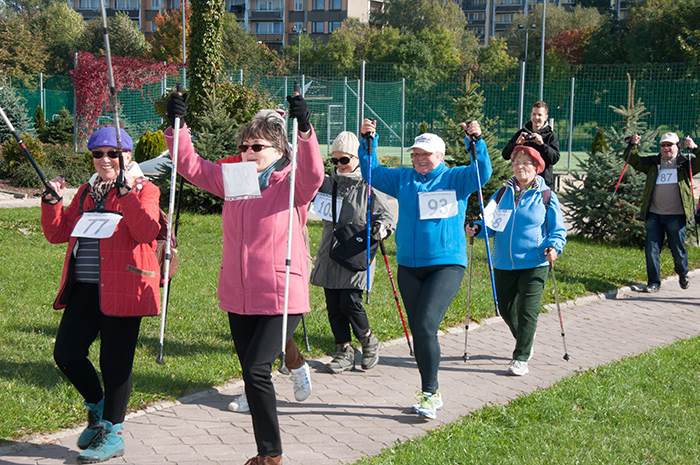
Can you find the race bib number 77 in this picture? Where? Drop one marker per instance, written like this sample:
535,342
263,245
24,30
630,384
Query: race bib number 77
96,225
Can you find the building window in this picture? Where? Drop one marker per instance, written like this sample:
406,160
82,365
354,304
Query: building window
334,4
317,27
333,25
156,4
298,5
89,5
298,27
268,28
509,2
126,5
479,16
504,18
319,4
268,5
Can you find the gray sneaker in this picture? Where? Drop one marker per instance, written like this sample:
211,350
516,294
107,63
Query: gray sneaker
370,351
343,360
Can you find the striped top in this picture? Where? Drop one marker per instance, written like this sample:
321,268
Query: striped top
87,260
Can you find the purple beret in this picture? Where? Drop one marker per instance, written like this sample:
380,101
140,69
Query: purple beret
107,137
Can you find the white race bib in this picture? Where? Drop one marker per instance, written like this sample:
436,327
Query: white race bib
96,225
495,218
436,205
667,177
240,181
323,206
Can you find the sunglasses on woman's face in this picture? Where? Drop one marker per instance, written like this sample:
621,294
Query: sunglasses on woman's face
341,160
256,147
96,154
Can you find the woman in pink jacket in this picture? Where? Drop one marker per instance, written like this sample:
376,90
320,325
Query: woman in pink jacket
110,280
252,276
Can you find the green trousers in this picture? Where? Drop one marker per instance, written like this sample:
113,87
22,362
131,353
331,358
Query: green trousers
519,295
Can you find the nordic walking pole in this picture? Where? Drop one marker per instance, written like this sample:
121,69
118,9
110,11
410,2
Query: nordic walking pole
561,321
627,139
113,92
692,192
465,357
370,141
44,181
472,147
288,261
396,296
169,235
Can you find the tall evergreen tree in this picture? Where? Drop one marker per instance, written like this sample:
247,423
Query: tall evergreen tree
595,208
16,112
469,107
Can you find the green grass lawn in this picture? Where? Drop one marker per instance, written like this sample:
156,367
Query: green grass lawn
641,410
35,397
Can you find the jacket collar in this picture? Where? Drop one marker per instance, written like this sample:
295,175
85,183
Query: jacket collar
437,171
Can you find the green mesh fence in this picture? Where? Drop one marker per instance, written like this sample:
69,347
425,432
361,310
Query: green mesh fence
402,97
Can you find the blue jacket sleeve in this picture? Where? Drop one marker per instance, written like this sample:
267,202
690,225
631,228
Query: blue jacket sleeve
383,179
556,231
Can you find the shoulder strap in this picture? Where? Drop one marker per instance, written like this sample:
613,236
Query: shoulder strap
500,193
83,195
546,198
333,197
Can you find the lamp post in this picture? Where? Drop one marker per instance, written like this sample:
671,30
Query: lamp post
522,77
544,17
527,34
299,32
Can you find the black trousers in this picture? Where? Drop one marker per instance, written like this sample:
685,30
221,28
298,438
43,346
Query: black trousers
82,321
345,311
258,341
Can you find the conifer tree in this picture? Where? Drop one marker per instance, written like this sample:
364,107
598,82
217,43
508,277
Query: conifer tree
467,108
60,130
594,207
16,112
39,121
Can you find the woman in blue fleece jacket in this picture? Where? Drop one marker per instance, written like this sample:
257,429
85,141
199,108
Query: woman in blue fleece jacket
430,240
528,233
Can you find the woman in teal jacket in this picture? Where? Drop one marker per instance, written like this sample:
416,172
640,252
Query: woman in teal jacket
430,241
528,233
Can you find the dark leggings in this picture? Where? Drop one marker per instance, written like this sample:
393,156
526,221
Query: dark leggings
427,292
258,343
82,321
345,311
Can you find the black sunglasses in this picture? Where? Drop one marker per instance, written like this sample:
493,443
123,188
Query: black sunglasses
96,154
341,160
256,147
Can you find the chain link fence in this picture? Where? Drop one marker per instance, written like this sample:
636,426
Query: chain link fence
670,92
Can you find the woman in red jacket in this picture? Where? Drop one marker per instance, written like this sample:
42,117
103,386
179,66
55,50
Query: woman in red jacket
110,280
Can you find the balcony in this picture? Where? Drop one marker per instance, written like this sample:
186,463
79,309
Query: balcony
265,15
270,38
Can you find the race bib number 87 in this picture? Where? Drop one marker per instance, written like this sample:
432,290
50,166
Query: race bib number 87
667,177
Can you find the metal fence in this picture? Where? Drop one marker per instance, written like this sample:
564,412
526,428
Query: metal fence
579,99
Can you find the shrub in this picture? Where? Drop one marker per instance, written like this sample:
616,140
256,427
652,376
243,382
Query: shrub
39,121
61,160
60,130
150,145
14,154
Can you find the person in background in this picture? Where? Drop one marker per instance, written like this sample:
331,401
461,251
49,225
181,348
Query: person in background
431,248
343,287
255,234
110,281
538,134
667,204
528,234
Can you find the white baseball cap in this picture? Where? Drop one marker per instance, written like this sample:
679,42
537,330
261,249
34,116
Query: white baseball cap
429,142
671,137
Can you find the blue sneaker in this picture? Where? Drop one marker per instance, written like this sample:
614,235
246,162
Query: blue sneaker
428,404
94,416
107,444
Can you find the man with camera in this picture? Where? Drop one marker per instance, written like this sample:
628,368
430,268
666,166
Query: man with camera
538,133
668,203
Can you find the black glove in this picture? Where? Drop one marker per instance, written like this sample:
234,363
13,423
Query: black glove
299,110
177,106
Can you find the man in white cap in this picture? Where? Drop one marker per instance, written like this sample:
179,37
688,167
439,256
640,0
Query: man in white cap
667,205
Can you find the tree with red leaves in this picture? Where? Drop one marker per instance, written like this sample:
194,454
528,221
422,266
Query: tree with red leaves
571,45
91,84
166,40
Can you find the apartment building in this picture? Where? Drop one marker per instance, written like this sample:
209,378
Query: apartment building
278,22
491,18
142,12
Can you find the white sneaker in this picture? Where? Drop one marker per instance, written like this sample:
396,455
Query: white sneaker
239,404
301,377
517,368
427,404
